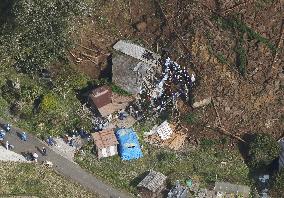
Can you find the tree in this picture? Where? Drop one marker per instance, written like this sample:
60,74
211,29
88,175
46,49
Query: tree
263,149
37,32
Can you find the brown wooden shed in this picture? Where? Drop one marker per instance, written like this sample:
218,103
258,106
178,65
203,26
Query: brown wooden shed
105,142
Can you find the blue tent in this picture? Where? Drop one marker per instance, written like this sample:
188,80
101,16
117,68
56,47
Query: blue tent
128,147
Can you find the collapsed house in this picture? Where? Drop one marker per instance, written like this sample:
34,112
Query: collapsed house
227,189
131,65
105,143
152,185
156,83
165,135
163,130
178,191
129,147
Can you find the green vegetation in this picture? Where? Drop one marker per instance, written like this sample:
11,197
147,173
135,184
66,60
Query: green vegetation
263,3
220,56
239,28
236,25
277,189
241,57
263,149
114,88
118,90
204,164
34,180
43,106
190,118
37,33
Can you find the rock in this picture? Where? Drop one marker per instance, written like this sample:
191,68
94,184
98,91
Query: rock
281,76
227,108
141,26
202,103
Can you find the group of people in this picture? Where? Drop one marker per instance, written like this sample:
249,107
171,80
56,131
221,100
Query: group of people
6,128
161,94
24,137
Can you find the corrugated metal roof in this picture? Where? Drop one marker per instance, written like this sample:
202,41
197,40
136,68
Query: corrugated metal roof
231,188
105,138
137,52
153,181
130,69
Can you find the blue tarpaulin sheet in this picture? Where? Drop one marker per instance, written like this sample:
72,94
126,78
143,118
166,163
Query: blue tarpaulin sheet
128,147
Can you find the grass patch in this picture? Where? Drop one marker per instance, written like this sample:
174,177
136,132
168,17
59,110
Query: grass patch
29,179
241,56
119,90
204,164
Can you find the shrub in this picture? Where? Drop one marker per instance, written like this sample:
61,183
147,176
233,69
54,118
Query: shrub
190,118
207,143
263,149
49,103
277,189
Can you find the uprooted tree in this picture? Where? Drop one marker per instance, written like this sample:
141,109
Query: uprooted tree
37,32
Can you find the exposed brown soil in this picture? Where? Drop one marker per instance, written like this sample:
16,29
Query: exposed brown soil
186,30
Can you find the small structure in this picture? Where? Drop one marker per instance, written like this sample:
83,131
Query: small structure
178,191
225,188
100,97
281,156
106,143
129,147
152,185
132,65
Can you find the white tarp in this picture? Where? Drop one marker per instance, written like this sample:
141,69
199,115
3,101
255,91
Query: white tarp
164,130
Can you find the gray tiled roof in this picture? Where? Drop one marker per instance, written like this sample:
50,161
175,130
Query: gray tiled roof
153,181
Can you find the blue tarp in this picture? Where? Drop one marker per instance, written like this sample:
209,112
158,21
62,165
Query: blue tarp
128,147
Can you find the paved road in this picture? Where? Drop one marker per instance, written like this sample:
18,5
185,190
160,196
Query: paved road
63,166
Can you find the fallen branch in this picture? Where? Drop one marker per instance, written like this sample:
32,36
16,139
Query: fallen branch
87,48
226,132
77,60
217,113
237,6
89,57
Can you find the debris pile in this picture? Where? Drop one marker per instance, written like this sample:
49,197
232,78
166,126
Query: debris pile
166,135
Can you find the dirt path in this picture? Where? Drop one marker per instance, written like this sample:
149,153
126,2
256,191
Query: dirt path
63,166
